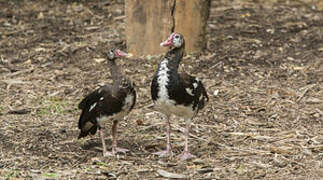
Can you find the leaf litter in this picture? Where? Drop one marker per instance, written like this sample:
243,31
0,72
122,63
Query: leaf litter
262,68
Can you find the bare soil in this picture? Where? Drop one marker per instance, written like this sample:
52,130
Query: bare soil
263,70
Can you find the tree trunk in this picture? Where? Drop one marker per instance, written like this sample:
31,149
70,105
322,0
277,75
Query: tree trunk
191,20
149,22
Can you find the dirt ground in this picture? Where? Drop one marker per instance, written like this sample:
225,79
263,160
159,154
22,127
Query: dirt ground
263,70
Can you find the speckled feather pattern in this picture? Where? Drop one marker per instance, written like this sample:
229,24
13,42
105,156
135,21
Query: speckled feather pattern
176,93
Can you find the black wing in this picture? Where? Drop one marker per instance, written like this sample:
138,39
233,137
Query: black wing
194,88
99,102
93,97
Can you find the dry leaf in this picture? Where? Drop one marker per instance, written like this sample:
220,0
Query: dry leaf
279,150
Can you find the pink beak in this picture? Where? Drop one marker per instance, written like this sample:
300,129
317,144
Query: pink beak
120,53
169,41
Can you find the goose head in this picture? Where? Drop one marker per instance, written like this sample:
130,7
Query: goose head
174,40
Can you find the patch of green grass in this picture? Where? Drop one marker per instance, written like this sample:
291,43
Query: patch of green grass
100,163
11,174
50,175
54,105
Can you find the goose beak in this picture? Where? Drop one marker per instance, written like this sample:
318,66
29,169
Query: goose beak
121,53
168,42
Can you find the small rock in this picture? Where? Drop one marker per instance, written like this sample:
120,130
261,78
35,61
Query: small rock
99,60
40,15
290,58
271,31
170,175
149,57
109,175
216,92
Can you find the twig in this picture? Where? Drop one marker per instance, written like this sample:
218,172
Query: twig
206,125
182,130
10,82
20,72
304,92
148,127
148,106
19,111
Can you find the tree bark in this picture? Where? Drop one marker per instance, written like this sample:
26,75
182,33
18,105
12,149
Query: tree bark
149,22
191,20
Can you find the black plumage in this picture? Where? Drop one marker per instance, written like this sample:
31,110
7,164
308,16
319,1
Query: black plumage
176,93
108,103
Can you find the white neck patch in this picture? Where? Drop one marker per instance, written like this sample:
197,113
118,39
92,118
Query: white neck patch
163,79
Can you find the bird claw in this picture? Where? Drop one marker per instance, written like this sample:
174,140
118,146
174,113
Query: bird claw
164,153
186,156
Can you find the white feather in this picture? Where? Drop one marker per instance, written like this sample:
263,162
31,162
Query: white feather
189,91
163,103
92,106
162,80
195,85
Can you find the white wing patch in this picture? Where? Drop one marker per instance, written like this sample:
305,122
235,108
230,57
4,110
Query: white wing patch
195,84
189,91
101,98
201,97
163,79
92,106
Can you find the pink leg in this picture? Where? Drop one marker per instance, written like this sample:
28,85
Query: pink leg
186,154
105,152
168,151
115,147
